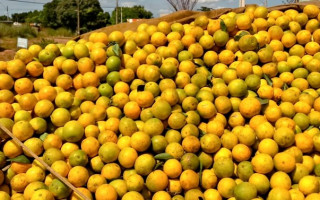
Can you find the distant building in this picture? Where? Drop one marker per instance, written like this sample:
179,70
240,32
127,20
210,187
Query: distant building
133,20
164,14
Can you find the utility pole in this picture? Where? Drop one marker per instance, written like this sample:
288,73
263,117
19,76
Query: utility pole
78,17
265,3
117,4
242,3
121,13
7,13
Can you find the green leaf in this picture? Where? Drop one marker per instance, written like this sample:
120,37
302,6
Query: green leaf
163,156
140,88
20,159
35,59
243,33
43,136
269,81
111,43
209,76
184,114
285,86
116,49
200,172
201,133
198,62
209,82
310,127
263,101
159,164
223,26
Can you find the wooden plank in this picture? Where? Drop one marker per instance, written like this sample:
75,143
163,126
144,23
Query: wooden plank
63,179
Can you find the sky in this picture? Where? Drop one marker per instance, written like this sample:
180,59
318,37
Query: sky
157,7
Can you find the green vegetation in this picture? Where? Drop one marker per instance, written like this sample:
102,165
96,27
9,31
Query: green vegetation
59,32
27,31
135,12
15,31
60,13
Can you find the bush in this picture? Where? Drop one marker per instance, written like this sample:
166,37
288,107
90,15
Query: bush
62,32
17,31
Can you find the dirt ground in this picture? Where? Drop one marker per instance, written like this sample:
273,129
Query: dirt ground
7,55
8,46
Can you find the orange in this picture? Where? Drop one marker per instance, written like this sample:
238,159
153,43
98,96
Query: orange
304,142
132,195
99,37
90,146
279,193
248,43
311,11
162,195
158,39
23,86
243,22
275,32
262,163
22,130
226,57
245,190
223,167
107,136
16,68
85,64
27,101
303,37
111,171
157,181
19,182
261,182
284,162
34,68
78,176
98,55
206,109
106,192
281,180
85,191
268,146
250,107
64,81
308,184
241,152
50,73
272,113
11,149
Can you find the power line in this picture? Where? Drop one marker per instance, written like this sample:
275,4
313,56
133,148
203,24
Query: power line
22,1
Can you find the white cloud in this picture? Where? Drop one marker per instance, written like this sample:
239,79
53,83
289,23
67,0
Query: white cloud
164,11
127,4
208,1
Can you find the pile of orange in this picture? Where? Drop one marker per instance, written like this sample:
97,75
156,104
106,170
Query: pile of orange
224,108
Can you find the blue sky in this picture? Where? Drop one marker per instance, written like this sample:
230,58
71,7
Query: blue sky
157,7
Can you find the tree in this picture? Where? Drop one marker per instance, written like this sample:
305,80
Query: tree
31,16
290,1
182,4
20,17
3,18
204,8
61,13
34,17
135,12
49,14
